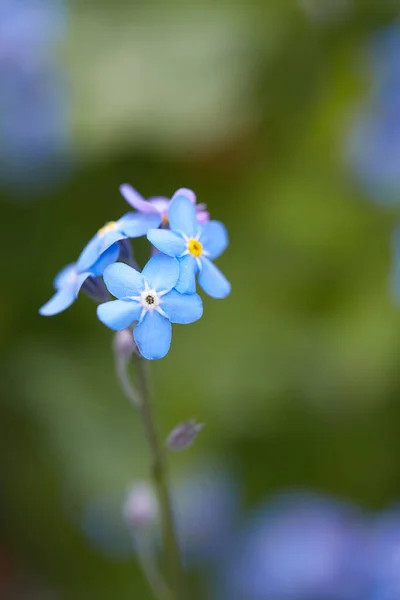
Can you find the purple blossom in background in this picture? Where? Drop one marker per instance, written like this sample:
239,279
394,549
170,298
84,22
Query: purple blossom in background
298,547
384,556
374,143
34,128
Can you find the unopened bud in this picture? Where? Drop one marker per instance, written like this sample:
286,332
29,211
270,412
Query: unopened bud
140,508
124,345
184,435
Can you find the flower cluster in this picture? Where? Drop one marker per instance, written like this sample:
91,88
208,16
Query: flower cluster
185,242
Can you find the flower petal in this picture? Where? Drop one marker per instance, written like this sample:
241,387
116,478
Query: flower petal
161,272
136,224
119,314
167,241
185,192
182,308
64,276
182,215
213,282
59,302
187,275
153,336
214,238
64,296
107,258
135,199
121,280
95,248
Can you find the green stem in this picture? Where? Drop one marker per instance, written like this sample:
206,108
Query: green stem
158,468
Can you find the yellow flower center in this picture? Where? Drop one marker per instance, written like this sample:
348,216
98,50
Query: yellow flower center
164,221
195,248
110,226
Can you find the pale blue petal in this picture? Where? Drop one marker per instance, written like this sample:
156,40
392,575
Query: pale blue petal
65,296
107,258
153,336
121,280
135,199
59,302
185,192
214,238
95,248
64,276
167,241
182,308
182,215
187,275
135,224
213,282
161,272
119,314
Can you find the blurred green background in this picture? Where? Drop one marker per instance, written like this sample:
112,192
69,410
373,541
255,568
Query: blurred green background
296,374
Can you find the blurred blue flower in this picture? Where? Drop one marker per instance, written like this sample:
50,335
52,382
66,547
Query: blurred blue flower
193,244
150,299
206,508
374,141
34,129
161,204
384,556
298,547
70,280
130,225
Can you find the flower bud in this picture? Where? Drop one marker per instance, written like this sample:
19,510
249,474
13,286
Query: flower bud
124,345
184,435
140,508
95,288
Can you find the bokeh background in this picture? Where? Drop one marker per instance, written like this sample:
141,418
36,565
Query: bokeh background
281,115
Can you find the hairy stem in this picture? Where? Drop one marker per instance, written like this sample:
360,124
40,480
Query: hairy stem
158,468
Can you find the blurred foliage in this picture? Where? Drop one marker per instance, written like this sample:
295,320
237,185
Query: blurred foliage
296,374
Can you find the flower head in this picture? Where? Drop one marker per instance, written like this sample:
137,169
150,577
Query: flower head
149,298
70,280
130,225
160,204
194,245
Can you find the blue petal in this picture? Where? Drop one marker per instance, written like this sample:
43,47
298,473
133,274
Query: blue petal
167,241
135,224
95,248
107,258
161,272
153,336
213,282
64,296
119,314
214,238
59,302
185,192
121,280
182,308
135,199
182,215
187,275
64,276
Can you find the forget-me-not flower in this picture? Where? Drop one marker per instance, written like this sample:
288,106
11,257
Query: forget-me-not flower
194,245
149,298
130,225
70,280
384,556
161,204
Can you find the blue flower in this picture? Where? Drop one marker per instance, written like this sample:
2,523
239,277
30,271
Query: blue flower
70,280
384,556
130,225
299,547
149,298
193,244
